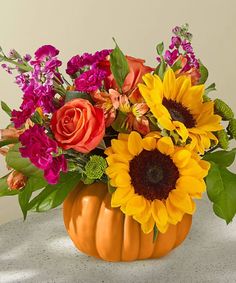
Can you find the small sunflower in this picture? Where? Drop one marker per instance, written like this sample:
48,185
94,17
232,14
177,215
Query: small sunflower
155,181
178,106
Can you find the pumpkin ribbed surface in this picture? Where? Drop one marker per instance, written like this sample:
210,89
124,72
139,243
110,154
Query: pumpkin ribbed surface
104,232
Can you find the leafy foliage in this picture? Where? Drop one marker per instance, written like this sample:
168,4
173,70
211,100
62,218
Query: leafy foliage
53,195
119,124
4,190
25,194
221,191
210,88
155,233
223,109
223,158
6,108
160,48
221,184
161,68
204,73
8,141
119,65
23,165
76,94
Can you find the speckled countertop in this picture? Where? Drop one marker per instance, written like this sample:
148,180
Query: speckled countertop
39,250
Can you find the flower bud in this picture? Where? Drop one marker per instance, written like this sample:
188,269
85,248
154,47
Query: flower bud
16,180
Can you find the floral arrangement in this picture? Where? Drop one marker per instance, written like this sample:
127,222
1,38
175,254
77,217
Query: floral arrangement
152,134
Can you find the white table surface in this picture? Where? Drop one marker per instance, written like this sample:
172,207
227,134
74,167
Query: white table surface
39,250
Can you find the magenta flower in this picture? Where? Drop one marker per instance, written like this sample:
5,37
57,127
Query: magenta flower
46,51
90,81
171,56
37,85
39,148
78,62
175,42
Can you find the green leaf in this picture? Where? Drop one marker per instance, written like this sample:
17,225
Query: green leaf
25,194
161,68
111,189
4,190
6,108
53,195
23,165
177,65
222,157
70,95
160,48
155,233
119,124
119,65
37,118
221,191
210,88
204,73
9,141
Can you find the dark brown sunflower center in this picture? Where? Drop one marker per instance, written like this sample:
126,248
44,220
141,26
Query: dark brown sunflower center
153,174
179,113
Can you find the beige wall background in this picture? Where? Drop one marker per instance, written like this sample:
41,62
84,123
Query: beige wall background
78,26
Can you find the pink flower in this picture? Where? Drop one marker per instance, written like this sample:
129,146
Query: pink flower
39,148
78,62
46,51
90,80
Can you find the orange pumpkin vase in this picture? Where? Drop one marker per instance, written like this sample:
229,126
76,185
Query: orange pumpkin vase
107,233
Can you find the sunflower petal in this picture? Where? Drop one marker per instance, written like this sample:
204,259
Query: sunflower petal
135,205
169,84
123,179
165,145
148,226
175,215
181,158
181,130
181,200
190,185
135,143
149,143
121,196
159,212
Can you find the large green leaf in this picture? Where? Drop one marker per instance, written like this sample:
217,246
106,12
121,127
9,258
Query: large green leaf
17,162
221,184
4,190
119,65
25,194
53,195
222,157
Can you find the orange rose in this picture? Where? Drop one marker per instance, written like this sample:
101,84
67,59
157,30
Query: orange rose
78,125
136,71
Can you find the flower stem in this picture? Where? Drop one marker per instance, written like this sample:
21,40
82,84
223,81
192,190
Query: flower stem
25,67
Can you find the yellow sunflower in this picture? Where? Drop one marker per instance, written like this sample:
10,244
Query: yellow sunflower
155,181
178,106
